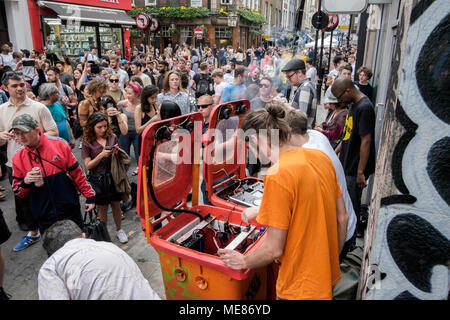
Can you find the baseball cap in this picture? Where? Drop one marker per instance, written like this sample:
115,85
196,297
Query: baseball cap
294,64
329,97
124,61
24,122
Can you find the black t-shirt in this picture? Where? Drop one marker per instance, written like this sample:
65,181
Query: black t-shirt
360,121
366,89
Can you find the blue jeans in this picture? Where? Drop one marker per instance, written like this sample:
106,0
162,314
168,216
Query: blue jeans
125,142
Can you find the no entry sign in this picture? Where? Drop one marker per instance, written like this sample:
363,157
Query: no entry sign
142,21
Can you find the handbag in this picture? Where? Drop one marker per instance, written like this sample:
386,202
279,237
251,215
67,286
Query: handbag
102,183
95,228
77,129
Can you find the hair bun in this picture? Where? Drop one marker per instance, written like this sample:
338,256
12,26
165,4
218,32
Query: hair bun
275,111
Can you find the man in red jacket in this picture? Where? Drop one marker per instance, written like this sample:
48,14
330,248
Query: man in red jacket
41,170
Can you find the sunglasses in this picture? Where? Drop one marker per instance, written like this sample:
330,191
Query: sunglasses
339,96
204,106
113,80
264,85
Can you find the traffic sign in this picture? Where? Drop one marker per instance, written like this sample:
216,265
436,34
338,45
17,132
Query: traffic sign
198,32
319,20
155,25
142,21
332,24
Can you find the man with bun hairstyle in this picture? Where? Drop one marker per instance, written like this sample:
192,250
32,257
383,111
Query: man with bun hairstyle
299,205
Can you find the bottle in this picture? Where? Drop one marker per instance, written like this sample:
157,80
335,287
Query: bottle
41,182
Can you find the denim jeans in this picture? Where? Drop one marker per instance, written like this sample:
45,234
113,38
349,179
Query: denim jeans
125,142
355,193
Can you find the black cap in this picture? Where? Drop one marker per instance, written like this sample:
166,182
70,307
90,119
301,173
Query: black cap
294,64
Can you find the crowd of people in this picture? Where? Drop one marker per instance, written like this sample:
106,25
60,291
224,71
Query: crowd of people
50,105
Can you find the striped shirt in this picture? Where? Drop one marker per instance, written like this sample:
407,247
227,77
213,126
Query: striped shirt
305,101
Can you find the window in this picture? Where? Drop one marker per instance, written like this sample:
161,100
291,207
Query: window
165,31
226,2
185,34
150,2
222,32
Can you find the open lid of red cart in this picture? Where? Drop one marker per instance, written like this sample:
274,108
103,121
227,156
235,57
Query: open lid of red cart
170,149
224,155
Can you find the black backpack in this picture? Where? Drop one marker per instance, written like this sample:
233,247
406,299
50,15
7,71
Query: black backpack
202,86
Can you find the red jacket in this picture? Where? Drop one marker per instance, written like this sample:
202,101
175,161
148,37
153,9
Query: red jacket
59,193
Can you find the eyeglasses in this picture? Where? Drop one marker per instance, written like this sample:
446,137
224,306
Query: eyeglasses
264,85
113,80
292,74
204,106
339,96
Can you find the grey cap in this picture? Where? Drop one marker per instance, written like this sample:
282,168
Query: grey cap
329,97
294,64
24,122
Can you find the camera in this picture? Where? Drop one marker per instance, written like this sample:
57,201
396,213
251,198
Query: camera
28,63
95,68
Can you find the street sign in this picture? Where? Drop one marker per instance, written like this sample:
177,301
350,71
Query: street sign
155,25
319,20
332,24
142,21
198,32
347,6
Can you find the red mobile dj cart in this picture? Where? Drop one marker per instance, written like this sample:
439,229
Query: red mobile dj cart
187,244
226,181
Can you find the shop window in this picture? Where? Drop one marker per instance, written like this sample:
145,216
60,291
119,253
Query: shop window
111,39
223,32
68,40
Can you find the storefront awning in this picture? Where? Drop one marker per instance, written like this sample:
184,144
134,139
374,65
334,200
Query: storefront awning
84,13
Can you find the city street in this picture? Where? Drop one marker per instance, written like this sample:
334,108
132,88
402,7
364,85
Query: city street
22,267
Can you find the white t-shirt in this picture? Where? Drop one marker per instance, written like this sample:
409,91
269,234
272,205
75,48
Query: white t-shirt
318,141
7,60
85,269
311,74
218,88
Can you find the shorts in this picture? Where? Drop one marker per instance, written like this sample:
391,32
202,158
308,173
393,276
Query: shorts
107,199
4,231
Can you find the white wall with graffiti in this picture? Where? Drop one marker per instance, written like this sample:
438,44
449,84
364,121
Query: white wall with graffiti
407,246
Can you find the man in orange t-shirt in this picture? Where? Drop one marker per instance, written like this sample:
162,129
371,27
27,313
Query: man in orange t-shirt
299,204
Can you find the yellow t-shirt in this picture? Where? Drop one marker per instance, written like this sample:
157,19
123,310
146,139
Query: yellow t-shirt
300,193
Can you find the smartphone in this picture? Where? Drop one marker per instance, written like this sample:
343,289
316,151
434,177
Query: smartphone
28,63
108,148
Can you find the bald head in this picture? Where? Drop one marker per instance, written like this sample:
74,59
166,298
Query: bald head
344,90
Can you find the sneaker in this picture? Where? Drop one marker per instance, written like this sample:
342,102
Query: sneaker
26,242
4,295
122,236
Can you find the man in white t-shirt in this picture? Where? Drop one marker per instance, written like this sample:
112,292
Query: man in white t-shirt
85,269
137,70
219,84
311,71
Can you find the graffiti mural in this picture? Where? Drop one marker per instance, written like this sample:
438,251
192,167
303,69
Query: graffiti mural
409,233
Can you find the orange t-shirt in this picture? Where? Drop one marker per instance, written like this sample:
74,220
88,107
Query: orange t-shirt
300,193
